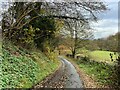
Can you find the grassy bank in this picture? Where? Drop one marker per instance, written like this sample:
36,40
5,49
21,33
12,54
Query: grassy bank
100,72
23,68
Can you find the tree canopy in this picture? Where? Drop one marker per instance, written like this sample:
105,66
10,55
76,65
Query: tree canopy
36,22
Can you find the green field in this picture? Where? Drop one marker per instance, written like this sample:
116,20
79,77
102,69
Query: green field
23,68
99,56
102,56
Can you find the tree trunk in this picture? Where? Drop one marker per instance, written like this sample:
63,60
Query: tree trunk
73,54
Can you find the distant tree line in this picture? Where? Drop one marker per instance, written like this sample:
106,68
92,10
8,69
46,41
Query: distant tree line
110,43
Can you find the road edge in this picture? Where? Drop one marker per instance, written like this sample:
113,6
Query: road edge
47,78
83,76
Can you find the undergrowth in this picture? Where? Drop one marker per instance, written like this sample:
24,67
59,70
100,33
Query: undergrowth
103,73
22,68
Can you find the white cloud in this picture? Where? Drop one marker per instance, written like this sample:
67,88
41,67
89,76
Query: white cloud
108,25
111,0
105,27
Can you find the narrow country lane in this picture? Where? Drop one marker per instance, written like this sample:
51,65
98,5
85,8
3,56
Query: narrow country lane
65,77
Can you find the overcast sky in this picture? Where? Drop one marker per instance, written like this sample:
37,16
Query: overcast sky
108,21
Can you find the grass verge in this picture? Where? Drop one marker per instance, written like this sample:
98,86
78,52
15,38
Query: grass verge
23,68
102,73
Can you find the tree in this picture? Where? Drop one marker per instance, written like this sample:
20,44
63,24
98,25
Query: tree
77,28
75,33
22,10
20,25
23,15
